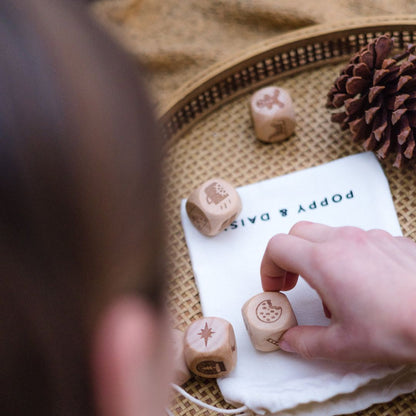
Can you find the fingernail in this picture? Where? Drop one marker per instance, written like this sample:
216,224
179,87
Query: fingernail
285,346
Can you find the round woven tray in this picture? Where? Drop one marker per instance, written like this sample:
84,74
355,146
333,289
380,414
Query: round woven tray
209,133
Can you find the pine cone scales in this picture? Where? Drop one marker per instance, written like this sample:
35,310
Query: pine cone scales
378,93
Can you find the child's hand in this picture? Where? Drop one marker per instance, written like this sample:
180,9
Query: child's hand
367,282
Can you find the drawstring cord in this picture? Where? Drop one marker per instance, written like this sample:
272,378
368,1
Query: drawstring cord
241,411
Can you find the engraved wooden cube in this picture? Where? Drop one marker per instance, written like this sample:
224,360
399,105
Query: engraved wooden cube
181,371
213,206
273,114
210,347
267,316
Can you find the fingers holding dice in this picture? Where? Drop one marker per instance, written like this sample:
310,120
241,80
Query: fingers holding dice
209,349
267,317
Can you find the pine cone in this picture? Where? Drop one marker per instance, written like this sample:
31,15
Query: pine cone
378,93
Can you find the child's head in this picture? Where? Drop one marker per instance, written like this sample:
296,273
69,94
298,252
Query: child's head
80,218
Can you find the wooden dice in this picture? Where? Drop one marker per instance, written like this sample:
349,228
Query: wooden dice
213,206
210,347
181,372
267,316
273,114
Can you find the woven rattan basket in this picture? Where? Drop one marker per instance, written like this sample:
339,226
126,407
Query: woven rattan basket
208,133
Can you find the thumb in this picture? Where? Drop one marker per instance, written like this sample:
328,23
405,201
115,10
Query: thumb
312,342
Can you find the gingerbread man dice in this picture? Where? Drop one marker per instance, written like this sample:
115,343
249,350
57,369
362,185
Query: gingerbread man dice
213,206
181,371
273,114
267,316
210,347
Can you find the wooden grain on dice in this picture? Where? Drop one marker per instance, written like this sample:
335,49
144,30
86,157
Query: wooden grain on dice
267,317
273,114
213,206
210,347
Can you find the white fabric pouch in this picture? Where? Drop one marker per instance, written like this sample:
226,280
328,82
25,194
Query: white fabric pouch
349,191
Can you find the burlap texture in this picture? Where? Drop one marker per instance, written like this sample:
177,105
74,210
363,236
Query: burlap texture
177,39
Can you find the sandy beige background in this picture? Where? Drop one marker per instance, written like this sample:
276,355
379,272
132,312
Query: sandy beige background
177,39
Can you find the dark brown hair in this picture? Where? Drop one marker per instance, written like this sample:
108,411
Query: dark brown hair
80,206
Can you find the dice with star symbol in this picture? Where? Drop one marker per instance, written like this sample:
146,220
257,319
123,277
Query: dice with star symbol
210,347
273,114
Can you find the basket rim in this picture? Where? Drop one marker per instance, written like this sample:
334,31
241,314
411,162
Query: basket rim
293,39
201,83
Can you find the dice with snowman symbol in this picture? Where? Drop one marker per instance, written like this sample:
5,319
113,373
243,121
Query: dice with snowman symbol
273,114
267,317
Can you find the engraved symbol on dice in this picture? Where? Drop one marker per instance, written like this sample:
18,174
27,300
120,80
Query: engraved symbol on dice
206,333
197,217
211,367
280,129
267,312
272,341
215,193
270,100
